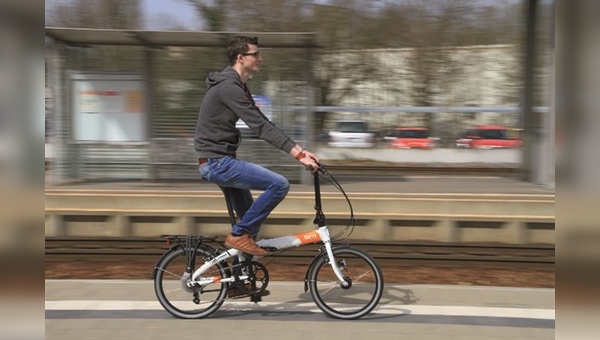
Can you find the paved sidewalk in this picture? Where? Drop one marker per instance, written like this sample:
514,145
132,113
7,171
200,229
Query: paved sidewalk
124,309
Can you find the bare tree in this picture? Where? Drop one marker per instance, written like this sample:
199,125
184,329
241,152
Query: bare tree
113,14
269,15
214,13
97,14
429,27
166,22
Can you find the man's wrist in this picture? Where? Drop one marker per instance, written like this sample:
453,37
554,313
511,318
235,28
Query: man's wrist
300,155
296,150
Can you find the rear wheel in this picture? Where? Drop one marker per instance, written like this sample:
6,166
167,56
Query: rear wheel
180,298
364,289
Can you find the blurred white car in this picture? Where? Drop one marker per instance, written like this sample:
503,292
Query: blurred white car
351,133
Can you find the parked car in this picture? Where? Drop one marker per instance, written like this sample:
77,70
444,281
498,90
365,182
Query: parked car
465,139
351,133
412,138
489,137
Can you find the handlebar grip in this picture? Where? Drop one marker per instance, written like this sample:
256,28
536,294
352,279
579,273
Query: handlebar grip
320,167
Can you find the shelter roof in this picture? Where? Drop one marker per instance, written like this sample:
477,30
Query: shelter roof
158,39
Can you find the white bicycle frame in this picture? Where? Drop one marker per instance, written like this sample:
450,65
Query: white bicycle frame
282,242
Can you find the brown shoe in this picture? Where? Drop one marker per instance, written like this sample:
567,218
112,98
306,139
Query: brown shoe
244,243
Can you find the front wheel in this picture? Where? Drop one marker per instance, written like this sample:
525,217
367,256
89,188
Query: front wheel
363,292
178,296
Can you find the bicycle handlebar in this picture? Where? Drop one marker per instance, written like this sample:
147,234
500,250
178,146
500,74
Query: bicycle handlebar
320,217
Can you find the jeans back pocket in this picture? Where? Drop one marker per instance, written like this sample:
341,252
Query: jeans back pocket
205,169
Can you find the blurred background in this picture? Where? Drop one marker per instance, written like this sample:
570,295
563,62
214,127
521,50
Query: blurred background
382,83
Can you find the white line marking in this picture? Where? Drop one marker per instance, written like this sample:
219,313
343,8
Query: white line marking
499,312
300,284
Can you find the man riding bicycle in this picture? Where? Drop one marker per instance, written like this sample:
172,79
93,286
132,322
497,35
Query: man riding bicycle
217,140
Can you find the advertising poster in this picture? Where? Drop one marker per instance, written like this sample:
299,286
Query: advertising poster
108,108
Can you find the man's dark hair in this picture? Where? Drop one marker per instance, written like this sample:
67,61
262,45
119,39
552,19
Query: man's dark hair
239,45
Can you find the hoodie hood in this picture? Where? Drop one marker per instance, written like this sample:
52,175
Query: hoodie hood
215,78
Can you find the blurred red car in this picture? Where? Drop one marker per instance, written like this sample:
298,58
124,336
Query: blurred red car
489,137
412,138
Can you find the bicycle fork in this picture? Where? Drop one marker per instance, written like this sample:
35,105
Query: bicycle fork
332,262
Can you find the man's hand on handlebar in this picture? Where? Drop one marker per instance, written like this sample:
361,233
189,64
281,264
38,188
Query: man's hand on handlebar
310,161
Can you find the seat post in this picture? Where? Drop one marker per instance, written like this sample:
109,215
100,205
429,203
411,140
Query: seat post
227,195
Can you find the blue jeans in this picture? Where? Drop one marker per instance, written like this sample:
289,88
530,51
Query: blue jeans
238,178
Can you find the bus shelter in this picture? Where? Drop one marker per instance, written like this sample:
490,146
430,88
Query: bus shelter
127,112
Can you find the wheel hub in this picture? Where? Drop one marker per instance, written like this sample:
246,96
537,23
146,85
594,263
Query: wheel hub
186,283
346,284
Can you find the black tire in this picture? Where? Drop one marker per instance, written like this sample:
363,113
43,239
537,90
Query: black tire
354,302
176,298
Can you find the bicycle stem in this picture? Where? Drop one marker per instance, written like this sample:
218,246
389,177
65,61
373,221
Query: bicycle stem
319,215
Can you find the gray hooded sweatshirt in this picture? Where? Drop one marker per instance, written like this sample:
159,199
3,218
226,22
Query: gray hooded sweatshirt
225,102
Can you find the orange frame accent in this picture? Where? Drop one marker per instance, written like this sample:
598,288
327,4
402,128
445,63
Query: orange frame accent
309,237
